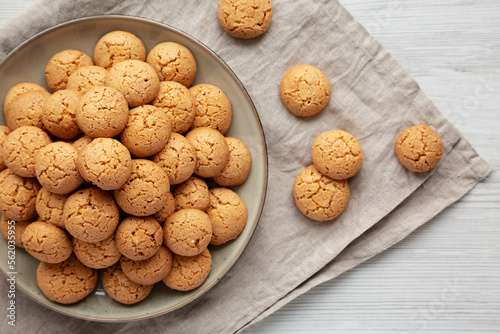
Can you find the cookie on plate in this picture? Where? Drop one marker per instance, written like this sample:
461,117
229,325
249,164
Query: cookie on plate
238,165
49,207
173,62
16,232
59,114
213,108
46,242
26,110
149,271
168,209
117,46
4,132
17,196
245,19
62,65
119,287
139,238
212,151
189,272
97,255
192,194
15,91
87,77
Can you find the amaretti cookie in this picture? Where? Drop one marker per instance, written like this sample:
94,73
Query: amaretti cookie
59,114
4,131
419,148
213,108
46,242
189,272
119,287
212,151
97,255
17,196
15,91
87,77
139,238
82,142
238,165
26,110
14,230
245,19
173,62
49,207
62,65
117,46
149,271
192,194
168,209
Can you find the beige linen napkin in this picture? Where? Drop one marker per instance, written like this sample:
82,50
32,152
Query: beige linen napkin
373,98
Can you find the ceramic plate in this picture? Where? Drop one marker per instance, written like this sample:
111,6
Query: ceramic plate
27,64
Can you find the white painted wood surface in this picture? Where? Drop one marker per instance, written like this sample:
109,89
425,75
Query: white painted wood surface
445,277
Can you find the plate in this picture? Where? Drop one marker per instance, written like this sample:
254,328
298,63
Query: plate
27,64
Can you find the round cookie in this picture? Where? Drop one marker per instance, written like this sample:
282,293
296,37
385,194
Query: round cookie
305,90
189,272
106,163
121,288
147,131
149,271
90,214
62,65
46,242
176,100
192,194
4,132
187,232
212,151
102,112
139,238
87,77
82,142
168,209
117,46
145,191
17,196
15,91
319,197
419,148
49,207
56,170
59,114
177,158
173,62
238,165
136,80
213,108
228,215
20,148
26,110
67,282
337,154
14,233
245,19
97,255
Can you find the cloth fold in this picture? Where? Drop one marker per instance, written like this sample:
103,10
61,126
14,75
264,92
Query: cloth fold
373,98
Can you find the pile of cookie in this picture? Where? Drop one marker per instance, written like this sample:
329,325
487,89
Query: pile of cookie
111,171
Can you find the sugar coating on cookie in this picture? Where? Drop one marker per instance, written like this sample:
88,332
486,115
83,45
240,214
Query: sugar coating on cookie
319,197
15,91
62,65
245,19
102,112
20,148
56,170
26,109
87,77
337,154
213,108
145,191
117,46
305,90
212,151
106,163
17,196
4,132
149,271
176,100
177,158
139,238
49,207
168,209
147,131
228,215
189,272
46,242
238,165
66,282
419,148
18,230
173,62
123,290
192,194
82,142
136,80
187,232
97,255
90,214
59,114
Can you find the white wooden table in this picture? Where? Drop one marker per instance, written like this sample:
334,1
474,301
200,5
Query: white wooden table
445,277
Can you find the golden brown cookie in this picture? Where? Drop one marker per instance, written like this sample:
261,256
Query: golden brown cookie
213,108
212,151
337,154
145,191
15,91
147,131
97,255
90,214
121,288
82,142
62,65
149,271
305,90
4,132
26,110
56,170
228,215
13,230
419,148
106,163
192,194
102,112
49,207
20,148
187,232
87,77
46,242
238,165
136,80
245,19
173,62
17,196
59,114
168,208
66,282
139,238
189,272
319,197
117,46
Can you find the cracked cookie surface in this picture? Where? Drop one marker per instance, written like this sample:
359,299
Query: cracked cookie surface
46,242
26,110
4,132
59,114
97,255
189,272
173,62
119,287
62,65
168,208
149,271
49,207
17,196
87,77
15,91
212,151
238,165
139,238
192,194
245,18
213,108
117,46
